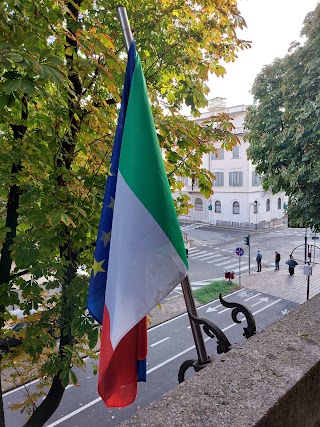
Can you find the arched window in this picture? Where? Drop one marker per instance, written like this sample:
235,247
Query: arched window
217,206
236,207
198,204
255,206
268,205
279,203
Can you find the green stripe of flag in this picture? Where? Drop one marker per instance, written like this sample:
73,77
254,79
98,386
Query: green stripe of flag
141,163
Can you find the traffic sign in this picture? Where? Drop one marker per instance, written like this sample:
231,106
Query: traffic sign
239,251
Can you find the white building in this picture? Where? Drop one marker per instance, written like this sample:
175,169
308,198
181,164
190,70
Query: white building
238,198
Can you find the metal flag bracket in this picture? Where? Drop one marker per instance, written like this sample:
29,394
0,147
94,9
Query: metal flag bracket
210,329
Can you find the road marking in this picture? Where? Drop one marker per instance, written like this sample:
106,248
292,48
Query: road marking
198,255
211,309
267,306
192,253
236,266
245,294
20,388
209,256
75,412
159,342
222,311
261,300
254,296
218,259
227,261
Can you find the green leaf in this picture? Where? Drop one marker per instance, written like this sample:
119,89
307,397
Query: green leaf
45,72
4,100
73,377
15,57
11,86
27,86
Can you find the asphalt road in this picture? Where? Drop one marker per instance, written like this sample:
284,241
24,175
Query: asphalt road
170,344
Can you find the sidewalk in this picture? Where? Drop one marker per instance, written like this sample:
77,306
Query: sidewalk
280,284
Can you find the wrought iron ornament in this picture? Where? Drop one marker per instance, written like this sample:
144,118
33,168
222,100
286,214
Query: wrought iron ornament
213,331
250,330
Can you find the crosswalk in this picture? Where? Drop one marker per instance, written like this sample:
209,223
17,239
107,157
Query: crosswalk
222,259
191,226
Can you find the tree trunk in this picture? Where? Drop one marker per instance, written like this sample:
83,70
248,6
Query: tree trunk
12,223
48,406
64,160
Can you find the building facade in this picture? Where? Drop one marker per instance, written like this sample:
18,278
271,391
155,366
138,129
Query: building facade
239,199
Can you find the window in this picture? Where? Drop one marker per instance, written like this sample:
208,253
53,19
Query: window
236,207
218,154
217,206
255,207
183,179
235,179
236,152
268,205
219,181
255,178
279,203
198,204
194,183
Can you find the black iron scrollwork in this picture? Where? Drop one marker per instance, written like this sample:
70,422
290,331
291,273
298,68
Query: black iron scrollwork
212,330
191,363
250,330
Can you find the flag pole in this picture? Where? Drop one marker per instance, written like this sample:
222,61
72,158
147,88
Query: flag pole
125,26
203,358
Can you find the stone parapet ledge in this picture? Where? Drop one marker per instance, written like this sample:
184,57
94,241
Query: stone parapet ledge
273,380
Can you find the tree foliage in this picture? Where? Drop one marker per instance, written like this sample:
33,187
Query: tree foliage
62,66
284,128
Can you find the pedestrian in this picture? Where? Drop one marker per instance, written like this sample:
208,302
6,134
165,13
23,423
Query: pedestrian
292,265
258,259
277,261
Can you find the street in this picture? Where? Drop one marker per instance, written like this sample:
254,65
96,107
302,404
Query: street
170,344
212,252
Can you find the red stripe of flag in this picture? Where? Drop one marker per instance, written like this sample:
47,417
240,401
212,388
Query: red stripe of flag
117,384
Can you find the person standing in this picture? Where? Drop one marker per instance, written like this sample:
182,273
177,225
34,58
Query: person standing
292,265
258,259
277,261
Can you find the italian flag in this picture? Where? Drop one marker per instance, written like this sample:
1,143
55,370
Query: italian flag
147,258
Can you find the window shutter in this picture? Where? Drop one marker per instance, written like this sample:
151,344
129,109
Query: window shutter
222,179
241,179
230,179
222,153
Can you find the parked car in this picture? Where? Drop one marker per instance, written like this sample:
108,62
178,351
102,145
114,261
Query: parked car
12,342
7,343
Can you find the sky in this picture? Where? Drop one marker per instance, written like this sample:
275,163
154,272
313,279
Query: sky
271,26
